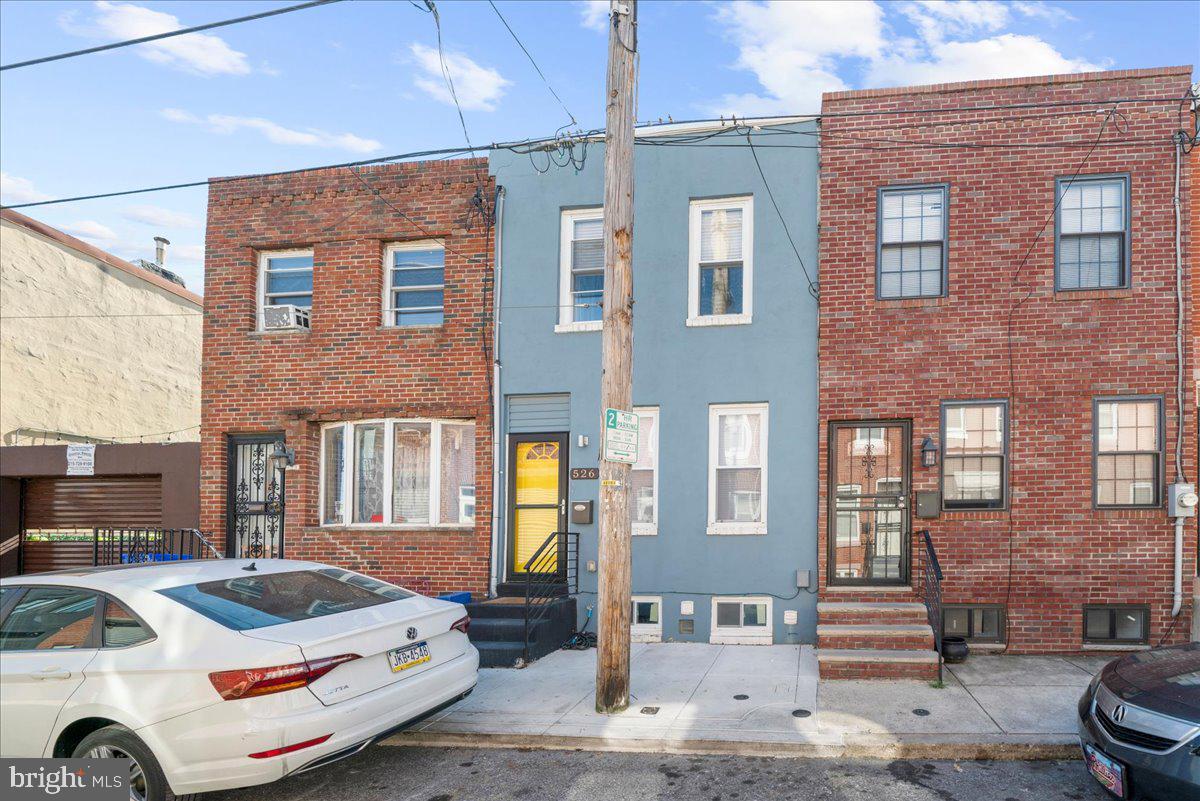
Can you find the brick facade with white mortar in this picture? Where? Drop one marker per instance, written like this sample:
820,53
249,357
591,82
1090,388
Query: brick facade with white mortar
349,366
1050,552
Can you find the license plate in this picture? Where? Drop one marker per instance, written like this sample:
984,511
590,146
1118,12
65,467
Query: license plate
408,656
1106,770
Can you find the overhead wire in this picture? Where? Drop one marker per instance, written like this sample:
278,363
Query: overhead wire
168,34
536,68
813,287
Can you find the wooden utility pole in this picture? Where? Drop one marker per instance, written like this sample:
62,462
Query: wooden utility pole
616,381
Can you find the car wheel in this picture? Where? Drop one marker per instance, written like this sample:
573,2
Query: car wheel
146,779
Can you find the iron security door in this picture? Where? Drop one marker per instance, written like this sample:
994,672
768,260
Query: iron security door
869,525
254,525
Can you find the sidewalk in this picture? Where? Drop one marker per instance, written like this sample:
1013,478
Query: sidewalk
688,698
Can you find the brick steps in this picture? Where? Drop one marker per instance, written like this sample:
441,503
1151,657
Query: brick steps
875,636
885,637
870,664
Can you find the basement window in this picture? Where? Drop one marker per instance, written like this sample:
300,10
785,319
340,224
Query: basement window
741,621
981,624
645,620
1116,625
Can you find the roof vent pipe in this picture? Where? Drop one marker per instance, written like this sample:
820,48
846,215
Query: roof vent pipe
160,250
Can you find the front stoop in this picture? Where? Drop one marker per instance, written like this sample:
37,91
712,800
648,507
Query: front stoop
874,639
858,663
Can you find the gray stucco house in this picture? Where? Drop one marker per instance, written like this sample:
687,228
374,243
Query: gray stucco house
725,376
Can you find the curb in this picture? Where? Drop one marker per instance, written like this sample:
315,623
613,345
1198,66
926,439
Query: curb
998,747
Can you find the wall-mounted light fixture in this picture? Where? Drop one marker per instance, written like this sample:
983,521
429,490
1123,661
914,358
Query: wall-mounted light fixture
282,457
929,453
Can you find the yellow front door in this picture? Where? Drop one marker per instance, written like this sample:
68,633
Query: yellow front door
537,502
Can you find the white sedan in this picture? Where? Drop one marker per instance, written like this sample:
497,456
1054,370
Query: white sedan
216,674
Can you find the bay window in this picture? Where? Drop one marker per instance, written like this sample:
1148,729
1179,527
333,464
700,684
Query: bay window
403,473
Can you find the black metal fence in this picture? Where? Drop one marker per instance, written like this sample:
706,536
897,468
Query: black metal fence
931,591
116,546
552,571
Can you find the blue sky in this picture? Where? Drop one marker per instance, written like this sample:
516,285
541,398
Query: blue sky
361,79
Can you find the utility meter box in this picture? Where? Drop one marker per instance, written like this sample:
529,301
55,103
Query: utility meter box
1181,500
581,512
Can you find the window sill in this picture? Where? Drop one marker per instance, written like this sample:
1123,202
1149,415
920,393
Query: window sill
719,319
575,328
737,529
420,328
1117,646
387,528
644,532
645,636
1092,294
285,332
910,303
732,638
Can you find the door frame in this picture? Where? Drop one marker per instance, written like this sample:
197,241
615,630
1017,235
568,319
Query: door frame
831,503
563,438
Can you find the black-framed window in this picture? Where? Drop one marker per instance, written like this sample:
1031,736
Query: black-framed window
1127,446
1092,233
974,454
1129,625
980,623
911,241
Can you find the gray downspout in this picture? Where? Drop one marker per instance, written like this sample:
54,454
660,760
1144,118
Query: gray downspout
497,399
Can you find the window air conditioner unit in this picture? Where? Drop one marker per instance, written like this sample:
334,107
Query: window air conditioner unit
285,318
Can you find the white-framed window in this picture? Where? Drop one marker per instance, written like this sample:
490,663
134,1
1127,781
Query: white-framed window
414,283
741,621
581,270
737,469
398,473
285,277
643,478
721,261
645,619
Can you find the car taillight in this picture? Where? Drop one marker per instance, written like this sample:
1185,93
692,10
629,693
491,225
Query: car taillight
234,684
463,624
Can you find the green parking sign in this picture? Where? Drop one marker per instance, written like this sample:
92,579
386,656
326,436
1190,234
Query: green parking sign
620,436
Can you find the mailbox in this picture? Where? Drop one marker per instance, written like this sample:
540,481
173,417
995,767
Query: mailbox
581,512
929,504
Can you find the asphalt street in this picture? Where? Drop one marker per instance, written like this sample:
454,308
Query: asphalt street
389,773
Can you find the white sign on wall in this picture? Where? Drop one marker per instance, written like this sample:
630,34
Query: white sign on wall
620,436
81,460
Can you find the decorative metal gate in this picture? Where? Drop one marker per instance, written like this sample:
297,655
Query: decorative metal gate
868,502
254,526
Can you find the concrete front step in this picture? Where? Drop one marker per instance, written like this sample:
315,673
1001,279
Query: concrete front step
876,636
871,612
838,663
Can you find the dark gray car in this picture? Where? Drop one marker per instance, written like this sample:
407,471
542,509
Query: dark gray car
1139,725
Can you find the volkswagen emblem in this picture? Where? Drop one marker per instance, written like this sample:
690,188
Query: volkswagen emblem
1118,714
412,634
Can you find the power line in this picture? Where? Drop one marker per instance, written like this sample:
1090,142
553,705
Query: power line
95,316
169,34
538,69
813,287
437,24
532,145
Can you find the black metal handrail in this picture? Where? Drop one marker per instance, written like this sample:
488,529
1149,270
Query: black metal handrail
115,546
552,571
931,591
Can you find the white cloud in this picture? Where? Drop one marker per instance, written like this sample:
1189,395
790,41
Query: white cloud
593,15
478,87
797,51
1004,56
91,231
186,253
274,132
793,50
160,217
14,189
198,53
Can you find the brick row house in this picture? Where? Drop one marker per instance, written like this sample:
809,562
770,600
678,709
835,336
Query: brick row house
990,375
380,393
998,366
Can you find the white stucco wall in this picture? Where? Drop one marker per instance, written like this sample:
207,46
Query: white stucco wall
112,378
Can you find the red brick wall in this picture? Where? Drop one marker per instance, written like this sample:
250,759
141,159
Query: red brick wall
349,366
900,359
